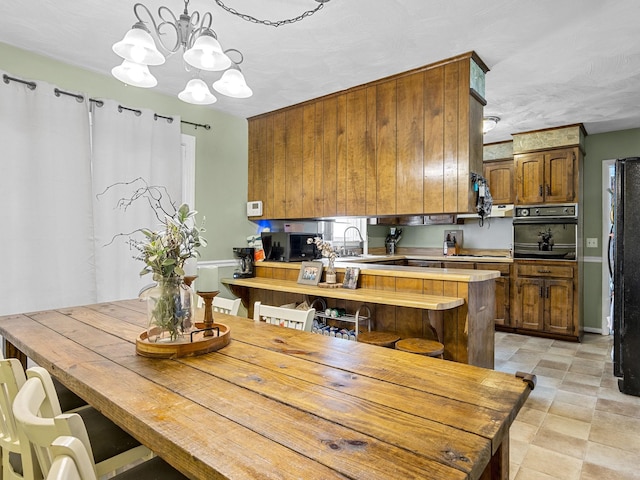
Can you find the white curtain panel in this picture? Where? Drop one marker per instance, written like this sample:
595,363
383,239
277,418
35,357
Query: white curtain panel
46,227
127,146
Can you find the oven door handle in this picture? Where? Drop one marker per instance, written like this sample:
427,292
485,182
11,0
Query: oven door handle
541,220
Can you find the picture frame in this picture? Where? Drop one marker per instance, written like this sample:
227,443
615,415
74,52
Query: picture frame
351,277
310,273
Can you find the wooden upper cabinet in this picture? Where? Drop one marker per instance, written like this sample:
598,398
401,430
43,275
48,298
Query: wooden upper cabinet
560,175
550,176
404,145
500,176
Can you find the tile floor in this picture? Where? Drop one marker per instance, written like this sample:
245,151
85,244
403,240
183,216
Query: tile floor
575,424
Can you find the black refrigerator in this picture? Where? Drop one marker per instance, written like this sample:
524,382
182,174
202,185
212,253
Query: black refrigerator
626,278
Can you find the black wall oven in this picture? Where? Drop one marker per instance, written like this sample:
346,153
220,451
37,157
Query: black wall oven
545,232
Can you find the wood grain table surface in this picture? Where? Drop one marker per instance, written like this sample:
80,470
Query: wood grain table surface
278,403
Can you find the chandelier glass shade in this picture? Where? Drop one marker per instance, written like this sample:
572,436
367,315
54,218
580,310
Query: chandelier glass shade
134,74
197,92
233,84
190,33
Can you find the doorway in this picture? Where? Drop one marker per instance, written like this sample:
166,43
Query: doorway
608,183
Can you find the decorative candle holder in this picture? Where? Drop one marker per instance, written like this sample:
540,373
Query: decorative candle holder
208,311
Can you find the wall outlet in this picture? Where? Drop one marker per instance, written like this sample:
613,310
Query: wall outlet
592,243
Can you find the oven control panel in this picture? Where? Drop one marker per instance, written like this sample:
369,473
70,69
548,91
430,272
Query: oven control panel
556,211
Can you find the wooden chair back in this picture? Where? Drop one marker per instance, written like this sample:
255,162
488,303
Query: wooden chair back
226,305
70,460
38,430
16,465
285,317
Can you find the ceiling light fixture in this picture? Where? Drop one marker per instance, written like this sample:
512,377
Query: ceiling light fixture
191,33
200,46
489,123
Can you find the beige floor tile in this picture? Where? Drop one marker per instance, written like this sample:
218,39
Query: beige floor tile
549,372
529,474
559,442
598,472
562,409
568,385
621,461
587,367
567,426
576,399
552,463
531,416
619,431
557,362
522,432
517,450
619,407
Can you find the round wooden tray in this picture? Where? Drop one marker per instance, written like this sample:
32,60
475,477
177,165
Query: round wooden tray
185,348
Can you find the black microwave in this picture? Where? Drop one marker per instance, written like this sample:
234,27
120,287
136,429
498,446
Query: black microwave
289,246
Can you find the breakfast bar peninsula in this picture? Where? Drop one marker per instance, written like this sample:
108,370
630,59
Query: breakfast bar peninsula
411,301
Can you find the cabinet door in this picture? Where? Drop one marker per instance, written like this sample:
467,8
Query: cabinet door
529,303
502,301
559,175
500,177
529,178
558,315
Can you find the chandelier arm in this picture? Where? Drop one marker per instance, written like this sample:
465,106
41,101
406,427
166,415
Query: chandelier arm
226,52
270,23
174,25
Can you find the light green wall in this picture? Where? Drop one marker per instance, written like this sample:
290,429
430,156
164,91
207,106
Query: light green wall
603,146
221,153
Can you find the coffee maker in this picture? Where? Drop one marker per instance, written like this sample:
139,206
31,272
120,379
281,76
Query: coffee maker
244,256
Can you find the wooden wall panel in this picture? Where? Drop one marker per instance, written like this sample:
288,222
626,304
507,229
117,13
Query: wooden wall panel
370,146
308,159
318,173
279,165
294,173
386,133
356,159
450,194
410,141
341,155
433,141
329,163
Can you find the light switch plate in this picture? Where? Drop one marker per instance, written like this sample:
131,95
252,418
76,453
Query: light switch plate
592,243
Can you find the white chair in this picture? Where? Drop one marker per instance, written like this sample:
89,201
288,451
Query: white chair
226,305
114,449
39,431
285,317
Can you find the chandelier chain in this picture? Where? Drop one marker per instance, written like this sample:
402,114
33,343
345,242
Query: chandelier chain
270,23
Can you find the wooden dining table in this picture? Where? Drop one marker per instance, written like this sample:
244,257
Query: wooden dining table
278,403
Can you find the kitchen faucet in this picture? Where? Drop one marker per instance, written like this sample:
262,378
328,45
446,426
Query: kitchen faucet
362,242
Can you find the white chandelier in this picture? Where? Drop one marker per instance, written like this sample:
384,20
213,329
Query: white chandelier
201,50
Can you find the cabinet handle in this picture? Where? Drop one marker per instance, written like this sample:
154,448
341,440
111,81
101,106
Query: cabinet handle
546,293
540,191
541,292
548,189
544,271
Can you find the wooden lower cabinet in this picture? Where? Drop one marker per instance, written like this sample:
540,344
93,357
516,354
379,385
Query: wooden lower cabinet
503,301
545,301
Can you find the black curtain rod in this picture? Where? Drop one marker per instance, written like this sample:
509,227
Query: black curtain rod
80,98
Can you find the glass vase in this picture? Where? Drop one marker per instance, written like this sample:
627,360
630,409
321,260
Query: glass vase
330,276
170,310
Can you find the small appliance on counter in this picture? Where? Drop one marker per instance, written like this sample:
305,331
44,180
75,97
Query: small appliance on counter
244,256
394,236
289,246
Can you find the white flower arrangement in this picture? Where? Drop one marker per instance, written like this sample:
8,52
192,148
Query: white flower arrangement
327,251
